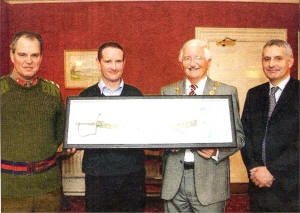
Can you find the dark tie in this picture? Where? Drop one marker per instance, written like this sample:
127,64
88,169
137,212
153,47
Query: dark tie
193,88
272,104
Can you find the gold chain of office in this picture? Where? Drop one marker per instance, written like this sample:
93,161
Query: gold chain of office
211,92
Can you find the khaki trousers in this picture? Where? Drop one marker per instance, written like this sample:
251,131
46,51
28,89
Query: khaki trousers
49,202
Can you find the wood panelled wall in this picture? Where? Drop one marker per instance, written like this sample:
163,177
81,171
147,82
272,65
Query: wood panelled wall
151,32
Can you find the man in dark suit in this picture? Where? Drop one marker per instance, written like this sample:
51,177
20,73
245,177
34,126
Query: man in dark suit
198,181
271,124
115,178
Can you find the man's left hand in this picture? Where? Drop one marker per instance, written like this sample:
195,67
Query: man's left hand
261,177
207,153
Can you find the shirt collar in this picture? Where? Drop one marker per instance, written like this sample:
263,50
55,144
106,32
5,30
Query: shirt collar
104,88
22,82
200,86
282,84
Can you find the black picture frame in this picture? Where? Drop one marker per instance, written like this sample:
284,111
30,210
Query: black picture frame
150,122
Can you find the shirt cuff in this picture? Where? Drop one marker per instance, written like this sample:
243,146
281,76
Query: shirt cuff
216,157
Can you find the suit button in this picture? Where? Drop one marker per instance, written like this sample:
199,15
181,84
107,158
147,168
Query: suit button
181,161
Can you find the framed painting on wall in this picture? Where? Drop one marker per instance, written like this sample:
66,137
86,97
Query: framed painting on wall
81,68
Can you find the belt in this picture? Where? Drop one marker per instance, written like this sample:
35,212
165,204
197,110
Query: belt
28,168
188,165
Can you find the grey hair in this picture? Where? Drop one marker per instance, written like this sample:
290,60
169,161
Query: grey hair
29,35
280,43
195,42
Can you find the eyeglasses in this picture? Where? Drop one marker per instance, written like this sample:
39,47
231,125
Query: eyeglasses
189,59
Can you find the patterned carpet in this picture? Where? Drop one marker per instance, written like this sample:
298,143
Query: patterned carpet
236,203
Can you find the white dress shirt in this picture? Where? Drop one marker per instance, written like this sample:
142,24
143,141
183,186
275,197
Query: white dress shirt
189,155
281,87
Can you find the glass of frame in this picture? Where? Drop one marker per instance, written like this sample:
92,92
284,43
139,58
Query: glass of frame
150,122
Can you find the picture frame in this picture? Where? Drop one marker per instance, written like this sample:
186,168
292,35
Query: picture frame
81,69
150,122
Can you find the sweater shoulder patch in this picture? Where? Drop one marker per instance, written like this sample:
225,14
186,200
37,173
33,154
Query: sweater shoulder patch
4,87
50,88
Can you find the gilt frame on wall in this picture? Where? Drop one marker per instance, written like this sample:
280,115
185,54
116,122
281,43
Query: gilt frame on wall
81,69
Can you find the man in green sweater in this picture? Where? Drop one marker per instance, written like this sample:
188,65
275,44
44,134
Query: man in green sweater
32,127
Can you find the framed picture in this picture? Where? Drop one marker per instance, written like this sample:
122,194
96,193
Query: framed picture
150,122
81,68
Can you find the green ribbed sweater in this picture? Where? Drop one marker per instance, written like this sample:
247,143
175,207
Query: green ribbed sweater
32,127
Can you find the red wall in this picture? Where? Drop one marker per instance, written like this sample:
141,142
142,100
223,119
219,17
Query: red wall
4,56
151,32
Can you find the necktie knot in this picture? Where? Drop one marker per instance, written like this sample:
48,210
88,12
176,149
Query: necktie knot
273,91
193,88
272,100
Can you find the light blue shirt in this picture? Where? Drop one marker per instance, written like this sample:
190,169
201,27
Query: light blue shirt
108,92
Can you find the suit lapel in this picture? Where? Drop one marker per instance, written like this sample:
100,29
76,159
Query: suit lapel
286,95
181,87
208,86
263,101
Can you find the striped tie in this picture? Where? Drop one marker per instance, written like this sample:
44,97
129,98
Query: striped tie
192,92
193,88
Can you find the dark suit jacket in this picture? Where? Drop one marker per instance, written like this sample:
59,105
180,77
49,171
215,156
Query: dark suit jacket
109,162
282,141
